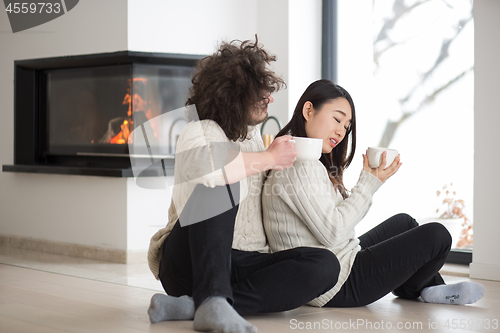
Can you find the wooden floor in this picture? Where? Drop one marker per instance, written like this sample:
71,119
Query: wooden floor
48,293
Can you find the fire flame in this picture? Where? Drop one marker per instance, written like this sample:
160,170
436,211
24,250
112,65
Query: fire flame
123,136
136,103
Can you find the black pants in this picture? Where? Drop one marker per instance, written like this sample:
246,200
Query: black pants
398,256
197,260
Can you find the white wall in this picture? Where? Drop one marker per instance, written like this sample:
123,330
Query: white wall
188,26
72,209
486,261
304,60
272,29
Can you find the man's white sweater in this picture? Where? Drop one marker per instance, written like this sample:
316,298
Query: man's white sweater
302,208
249,232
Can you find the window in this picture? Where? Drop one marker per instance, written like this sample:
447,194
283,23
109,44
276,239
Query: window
408,65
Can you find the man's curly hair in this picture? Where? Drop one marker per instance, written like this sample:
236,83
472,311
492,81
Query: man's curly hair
231,83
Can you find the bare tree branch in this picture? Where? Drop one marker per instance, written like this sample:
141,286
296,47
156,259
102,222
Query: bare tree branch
446,44
442,56
392,126
399,10
379,53
429,99
383,43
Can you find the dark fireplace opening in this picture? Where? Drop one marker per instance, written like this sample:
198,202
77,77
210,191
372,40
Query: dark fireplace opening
77,114
84,110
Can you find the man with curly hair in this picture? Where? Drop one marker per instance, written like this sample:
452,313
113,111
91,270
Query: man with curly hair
212,257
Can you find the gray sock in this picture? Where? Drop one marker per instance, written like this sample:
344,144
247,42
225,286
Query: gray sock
217,315
164,307
458,293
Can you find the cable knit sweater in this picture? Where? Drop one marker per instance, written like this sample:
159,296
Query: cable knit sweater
302,208
249,232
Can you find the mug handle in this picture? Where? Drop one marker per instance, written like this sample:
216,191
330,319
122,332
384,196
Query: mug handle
378,158
292,140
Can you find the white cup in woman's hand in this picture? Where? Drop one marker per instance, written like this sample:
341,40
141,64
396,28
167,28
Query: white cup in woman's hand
374,155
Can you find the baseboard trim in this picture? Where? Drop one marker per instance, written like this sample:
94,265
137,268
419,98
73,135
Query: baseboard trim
74,250
485,272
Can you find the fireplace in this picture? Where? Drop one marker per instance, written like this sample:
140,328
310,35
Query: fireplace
75,114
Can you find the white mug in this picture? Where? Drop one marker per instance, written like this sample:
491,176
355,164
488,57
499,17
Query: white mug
375,156
308,149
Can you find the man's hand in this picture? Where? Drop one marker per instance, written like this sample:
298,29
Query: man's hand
280,155
283,152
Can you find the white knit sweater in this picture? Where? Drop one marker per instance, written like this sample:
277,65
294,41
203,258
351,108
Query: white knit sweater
249,232
302,208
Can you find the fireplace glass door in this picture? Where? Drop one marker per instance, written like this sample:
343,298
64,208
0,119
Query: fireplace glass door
93,111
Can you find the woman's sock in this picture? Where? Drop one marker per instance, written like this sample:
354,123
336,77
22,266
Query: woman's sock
458,293
164,307
216,314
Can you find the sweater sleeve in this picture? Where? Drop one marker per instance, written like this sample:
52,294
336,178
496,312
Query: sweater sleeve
202,150
155,246
308,191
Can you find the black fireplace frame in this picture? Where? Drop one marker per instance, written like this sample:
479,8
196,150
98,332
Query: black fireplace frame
29,101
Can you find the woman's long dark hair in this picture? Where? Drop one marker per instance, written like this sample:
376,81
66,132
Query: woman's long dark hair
319,93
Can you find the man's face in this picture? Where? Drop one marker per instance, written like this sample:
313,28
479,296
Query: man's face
259,112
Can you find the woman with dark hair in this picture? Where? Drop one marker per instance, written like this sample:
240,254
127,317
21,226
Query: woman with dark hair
308,205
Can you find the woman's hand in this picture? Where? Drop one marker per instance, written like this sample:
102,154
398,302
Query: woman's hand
382,172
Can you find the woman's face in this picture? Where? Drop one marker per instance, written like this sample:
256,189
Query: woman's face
329,123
